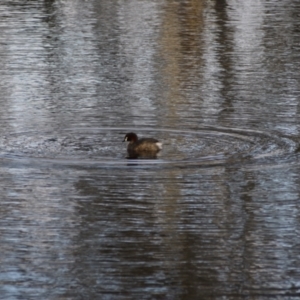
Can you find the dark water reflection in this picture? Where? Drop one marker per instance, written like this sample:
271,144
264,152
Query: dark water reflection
215,216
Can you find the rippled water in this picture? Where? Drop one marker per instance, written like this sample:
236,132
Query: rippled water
216,215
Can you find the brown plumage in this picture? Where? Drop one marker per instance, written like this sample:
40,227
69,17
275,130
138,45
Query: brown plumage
145,147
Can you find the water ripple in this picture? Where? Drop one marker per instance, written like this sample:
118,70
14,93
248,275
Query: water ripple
103,147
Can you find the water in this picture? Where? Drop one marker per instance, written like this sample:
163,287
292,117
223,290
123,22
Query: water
215,216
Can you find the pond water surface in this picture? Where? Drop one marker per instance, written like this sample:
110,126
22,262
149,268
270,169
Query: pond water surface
216,215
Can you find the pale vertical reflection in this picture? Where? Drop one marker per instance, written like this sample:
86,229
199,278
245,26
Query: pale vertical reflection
211,69
138,20
247,18
33,59
24,52
76,58
245,21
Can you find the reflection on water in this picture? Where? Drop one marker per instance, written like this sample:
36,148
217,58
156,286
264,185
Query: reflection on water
215,215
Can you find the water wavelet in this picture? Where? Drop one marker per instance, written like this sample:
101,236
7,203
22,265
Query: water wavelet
103,147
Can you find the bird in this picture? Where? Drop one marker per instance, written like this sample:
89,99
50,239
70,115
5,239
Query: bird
143,148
